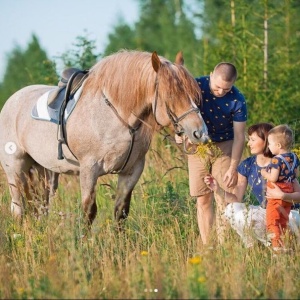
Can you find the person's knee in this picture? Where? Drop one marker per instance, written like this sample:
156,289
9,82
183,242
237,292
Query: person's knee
205,202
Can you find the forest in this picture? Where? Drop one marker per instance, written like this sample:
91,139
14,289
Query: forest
261,37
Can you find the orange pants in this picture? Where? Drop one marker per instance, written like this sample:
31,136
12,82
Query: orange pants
278,214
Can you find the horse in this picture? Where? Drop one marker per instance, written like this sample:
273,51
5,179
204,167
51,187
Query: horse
125,98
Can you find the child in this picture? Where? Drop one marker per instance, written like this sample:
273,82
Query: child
282,171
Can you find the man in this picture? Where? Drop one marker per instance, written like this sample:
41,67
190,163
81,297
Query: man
224,111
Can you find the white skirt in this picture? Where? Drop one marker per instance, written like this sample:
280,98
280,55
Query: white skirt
249,221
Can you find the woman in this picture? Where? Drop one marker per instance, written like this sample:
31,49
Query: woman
250,220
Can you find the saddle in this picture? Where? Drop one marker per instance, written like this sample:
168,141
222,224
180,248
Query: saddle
78,77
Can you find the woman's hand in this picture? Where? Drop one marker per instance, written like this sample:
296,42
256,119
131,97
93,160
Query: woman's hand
211,183
274,192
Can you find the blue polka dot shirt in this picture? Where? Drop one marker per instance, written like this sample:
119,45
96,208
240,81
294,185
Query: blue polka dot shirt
220,112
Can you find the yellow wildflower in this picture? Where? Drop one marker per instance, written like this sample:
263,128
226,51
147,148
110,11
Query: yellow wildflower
144,253
210,152
196,260
201,279
297,151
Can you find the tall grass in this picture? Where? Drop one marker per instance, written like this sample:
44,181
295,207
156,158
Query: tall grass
159,256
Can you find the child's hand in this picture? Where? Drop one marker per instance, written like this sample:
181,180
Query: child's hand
211,182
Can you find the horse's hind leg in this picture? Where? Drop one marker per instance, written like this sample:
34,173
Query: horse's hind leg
17,173
50,184
126,184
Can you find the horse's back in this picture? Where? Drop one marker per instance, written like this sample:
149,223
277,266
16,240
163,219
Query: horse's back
24,95
16,112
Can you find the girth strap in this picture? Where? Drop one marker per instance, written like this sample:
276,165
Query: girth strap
61,125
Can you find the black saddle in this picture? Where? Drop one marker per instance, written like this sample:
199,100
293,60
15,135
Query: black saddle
77,80
77,77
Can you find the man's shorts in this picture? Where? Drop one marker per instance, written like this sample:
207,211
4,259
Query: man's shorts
199,167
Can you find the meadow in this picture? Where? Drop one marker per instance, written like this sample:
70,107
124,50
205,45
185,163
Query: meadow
159,255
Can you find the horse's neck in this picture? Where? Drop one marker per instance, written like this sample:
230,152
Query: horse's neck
141,115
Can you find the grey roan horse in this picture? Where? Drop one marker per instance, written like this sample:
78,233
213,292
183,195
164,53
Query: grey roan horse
125,96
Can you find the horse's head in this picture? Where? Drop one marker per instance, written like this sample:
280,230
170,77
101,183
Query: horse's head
176,97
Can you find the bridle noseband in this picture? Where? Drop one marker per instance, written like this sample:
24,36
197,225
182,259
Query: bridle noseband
175,120
171,115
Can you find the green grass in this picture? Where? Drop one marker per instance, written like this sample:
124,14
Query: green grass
159,256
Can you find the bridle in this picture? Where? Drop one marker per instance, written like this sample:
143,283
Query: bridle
132,130
172,116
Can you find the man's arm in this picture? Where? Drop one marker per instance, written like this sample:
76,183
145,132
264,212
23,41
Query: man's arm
239,128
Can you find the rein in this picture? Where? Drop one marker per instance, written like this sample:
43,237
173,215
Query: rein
132,131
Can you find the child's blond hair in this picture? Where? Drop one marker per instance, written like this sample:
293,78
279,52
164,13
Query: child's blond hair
284,135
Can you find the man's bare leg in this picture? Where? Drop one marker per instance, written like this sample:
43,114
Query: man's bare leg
205,216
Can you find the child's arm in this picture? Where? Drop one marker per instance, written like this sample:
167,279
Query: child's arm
272,175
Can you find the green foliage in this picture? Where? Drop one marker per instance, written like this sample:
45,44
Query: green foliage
163,27
82,55
26,67
122,37
261,38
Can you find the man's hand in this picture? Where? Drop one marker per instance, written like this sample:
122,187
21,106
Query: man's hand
178,139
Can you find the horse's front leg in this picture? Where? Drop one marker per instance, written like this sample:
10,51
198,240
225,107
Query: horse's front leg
126,184
88,180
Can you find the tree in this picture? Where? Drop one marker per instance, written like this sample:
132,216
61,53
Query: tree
261,37
163,27
82,55
122,37
25,68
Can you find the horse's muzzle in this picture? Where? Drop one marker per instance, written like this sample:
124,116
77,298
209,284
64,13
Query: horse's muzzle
201,136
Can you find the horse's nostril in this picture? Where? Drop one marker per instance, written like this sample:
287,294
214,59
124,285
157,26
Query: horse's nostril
197,134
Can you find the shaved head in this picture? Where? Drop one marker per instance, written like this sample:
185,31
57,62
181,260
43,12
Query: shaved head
226,70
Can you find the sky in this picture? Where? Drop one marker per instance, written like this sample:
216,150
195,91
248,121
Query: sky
57,23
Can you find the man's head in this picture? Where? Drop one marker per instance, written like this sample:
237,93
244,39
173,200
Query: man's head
222,78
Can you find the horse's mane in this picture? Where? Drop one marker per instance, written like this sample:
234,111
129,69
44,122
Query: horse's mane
127,79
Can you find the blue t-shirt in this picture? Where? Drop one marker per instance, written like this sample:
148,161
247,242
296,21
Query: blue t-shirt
249,169
220,112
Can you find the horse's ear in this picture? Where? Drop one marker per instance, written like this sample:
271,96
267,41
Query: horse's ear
155,61
179,58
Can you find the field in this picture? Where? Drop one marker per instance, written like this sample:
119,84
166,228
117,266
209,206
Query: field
159,256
